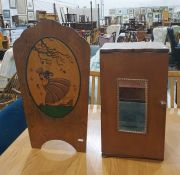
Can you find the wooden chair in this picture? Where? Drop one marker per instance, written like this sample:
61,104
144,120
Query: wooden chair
174,80
95,88
141,36
175,47
10,92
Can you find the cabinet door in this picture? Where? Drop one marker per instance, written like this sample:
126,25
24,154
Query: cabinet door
133,89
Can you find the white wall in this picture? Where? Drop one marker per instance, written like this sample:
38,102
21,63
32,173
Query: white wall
46,5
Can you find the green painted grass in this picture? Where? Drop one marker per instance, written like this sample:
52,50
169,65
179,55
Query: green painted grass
56,111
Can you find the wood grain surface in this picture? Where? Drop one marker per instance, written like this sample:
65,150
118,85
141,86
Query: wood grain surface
21,159
41,56
149,63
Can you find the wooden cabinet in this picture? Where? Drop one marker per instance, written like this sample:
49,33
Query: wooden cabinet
133,97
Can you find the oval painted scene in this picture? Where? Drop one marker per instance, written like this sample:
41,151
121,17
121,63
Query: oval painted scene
53,77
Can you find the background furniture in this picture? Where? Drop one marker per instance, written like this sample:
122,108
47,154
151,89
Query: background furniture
176,30
95,88
7,68
160,34
174,89
114,29
11,92
141,36
2,52
175,47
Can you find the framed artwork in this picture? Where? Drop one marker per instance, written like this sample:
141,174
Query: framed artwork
156,9
130,11
12,4
119,12
31,16
112,11
30,5
143,10
22,20
21,6
150,15
149,10
170,15
125,11
131,16
137,11
175,16
6,13
170,10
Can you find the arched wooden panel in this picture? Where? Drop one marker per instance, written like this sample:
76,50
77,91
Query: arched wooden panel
53,68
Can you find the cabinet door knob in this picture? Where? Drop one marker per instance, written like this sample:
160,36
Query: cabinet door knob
163,103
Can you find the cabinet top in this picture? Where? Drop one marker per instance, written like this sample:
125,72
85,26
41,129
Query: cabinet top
135,47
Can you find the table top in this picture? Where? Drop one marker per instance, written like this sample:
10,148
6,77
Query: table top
20,158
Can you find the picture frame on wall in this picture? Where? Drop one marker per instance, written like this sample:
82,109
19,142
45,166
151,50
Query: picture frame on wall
119,12
30,5
31,15
131,16
150,15
143,11
22,20
131,11
149,10
21,7
6,13
12,4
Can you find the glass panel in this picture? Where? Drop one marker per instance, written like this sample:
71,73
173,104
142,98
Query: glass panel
132,105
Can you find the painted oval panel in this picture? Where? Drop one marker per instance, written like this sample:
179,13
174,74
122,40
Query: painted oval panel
53,77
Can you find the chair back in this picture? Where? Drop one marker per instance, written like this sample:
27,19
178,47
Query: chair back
176,30
9,93
8,67
174,93
141,36
94,89
160,34
171,37
115,30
